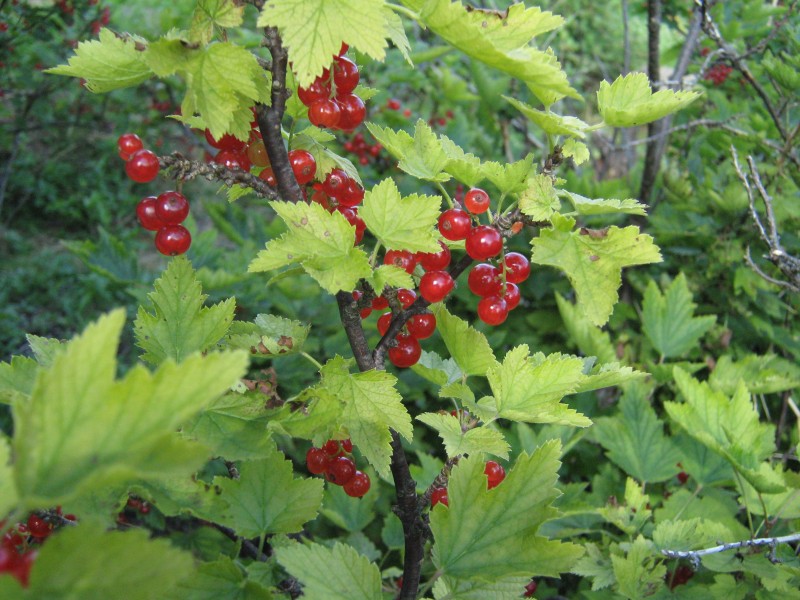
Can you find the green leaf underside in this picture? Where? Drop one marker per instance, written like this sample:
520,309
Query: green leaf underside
321,242
729,427
372,406
477,440
269,335
108,63
402,223
180,325
530,388
337,573
635,440
89,563
491,534
501,42
668,319
313,31
266,498
604,206
630,101
593,261
468,347
551,123
70,434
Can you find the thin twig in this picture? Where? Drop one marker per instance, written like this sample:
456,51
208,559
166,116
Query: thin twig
695,555
180,168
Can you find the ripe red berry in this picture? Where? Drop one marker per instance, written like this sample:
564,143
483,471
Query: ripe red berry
257,153
317,461
379,303
435,261
358,485
439,495
421,326
347,445
146,212
402,259
304,166
384,321
38,527
172,240
324,113
128,144
435,285
683,477
495,473
454,224
345,75
320,89
393,104
331,448
492,310
483,242
512,296
335,183
341,470
352,111
354,220
484,280
406,297
142,166
268,175
352,195
477,201
518,268
172,208
232,160
226,142
406,353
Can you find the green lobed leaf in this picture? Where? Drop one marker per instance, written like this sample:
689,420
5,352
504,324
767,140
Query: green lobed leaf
577,151
530,388
180,325
761,374
421,156
88,563
509,178
690,534
596,565
372,406
402,223
44,349
209,14
539,199
82,427
507,588
269,335
397,33
490,534
219,579
321,242
468,347
313,31
266,498
593,260
108,63
482,439
337,573
640,570
629,101
501,40
668,319
436,369
606,375
604,206
635,441
590,339
340,509
464,166
17,378
549,122
390,275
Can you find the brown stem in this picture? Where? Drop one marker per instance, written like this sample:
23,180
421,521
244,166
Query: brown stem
182,168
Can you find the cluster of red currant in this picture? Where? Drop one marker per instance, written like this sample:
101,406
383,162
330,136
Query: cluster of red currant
334,460
341,192
164,214
718,73
330,99
234,153
141,165
18,546
495,474
365,151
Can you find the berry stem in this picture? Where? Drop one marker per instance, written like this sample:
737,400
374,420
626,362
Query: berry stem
374,256
312,360
445,194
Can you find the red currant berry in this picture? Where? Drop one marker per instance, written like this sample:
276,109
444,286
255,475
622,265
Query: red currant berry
38,527
358,485
347,445
512,296
492,310
352,111
341,470
406,297
354,220
226,142
345,75
483,242
484,280
127,144
517,267
477,201
317,461
324,113
435,261
304,166
683,477
268,175
232,160
365,312
352,195
454,224
257,153
393,104
343,49
435,285
421,326
384,321
406,353
146,212
320,89
142,166
335,183
331,448
379,303
495,473
402,259
172,240
172,208
439,496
